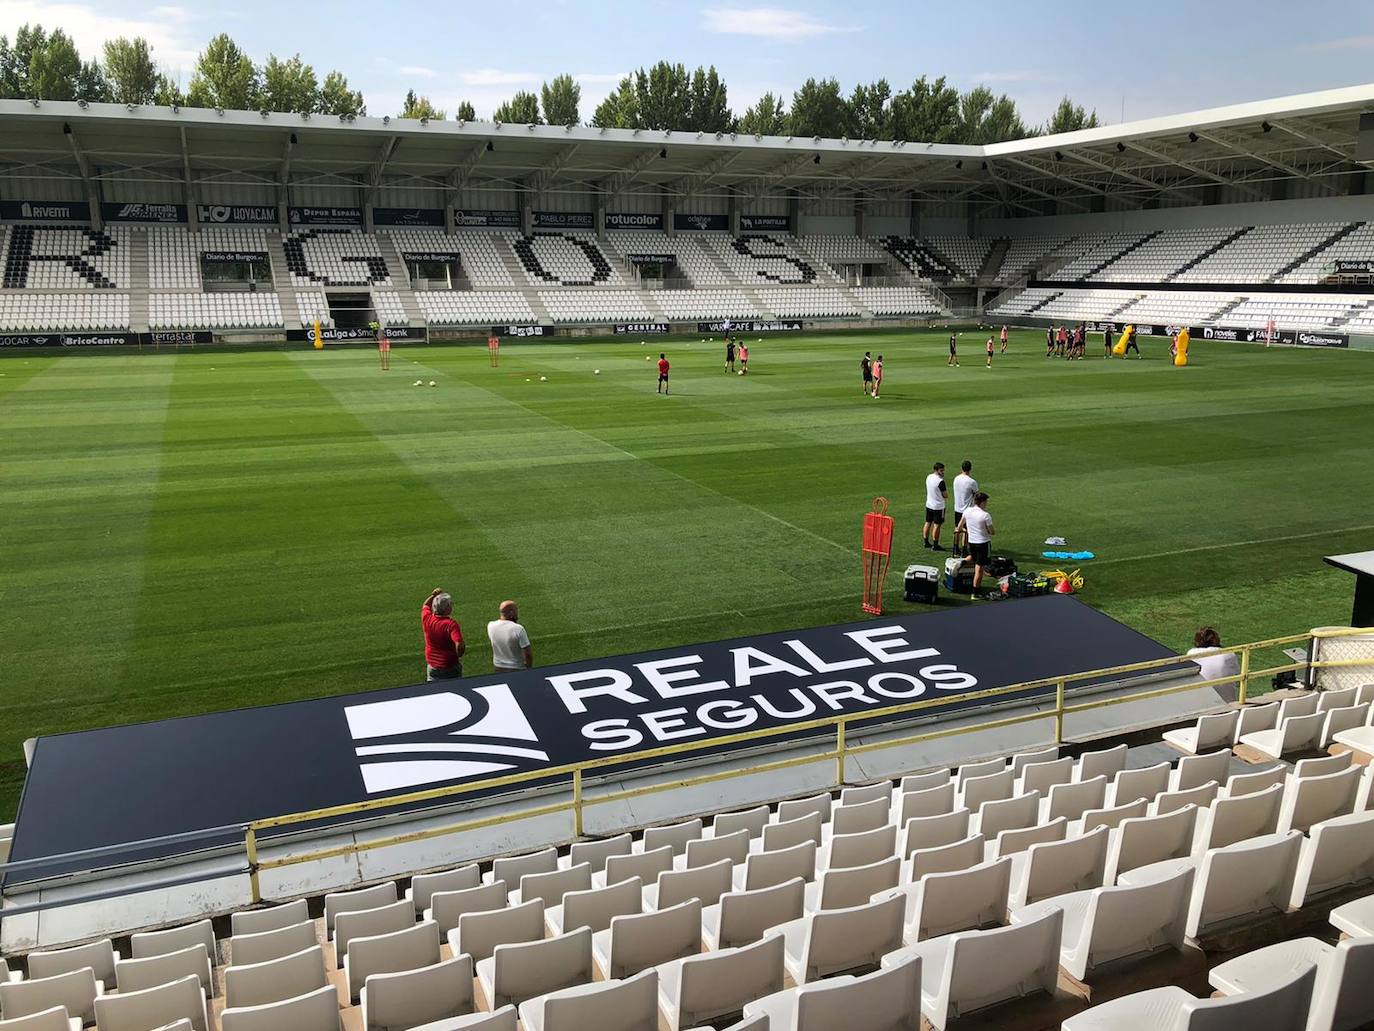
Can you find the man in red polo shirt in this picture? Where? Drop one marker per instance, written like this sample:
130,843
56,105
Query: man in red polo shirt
662,373
444,645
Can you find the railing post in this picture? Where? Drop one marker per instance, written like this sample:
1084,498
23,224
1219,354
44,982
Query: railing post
250,847
1244,674
839,753
577,803
1059,712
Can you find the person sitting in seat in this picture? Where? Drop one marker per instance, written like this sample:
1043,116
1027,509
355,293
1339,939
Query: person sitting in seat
1215,664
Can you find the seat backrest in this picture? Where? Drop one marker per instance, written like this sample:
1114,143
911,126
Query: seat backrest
54,1019
746,915
961,900
989,788
934,831
796,808
987,967
365,923
511,868
528,969
599,850
843,939
1073,800
1239,784
704,883
1228,820
1309,800
1254,876
504,1019
646,865
968,771
554,884
1301,733
1193,770
866,793
75,990
1107,762
648,939
724,981
1010,842
1280,1008
792,832
1112,816
1216,730
855,885
1345,998
1170,801
889,998
922,781
706,851
629,1004
1143,840
1020,760
480,933
1041,776
859,817
158,943
1344,698
410,949
1336,853
1130,921
98,955
751,820
1059,867
932,801
247,949
958,855
261,983
364,898
1250,718
314,1011
863,848
1008,814
595,908
138,974
447,907
165,1004
764,869
1322,765
274,918
1303,705
674,835
1345,718
414,997
424,885
1131,785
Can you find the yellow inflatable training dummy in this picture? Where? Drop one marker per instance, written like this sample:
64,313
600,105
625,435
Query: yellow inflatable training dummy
1119,349
1181,349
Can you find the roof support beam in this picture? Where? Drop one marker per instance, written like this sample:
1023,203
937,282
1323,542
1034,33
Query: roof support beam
84,166
1140,179
543,177
1272,162
617,184
1316,141
374,174
189,186
1173,159
1052,174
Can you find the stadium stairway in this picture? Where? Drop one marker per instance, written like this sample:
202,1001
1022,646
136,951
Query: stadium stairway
992,264
1087,276
1117,311
400,278
1229,306
1040,304
1311,252
944,259
138,282
523,286
1199,259
281,282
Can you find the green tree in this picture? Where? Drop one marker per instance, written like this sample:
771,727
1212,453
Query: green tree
92,85
289,85
15,61
560,98
709,109
224,77
466,112
55,70
870,113
9,88
168,92
130,70
337,99
663,96
928,112
620,109
420,107
1070,117
984,118
819,109
523,108
766,118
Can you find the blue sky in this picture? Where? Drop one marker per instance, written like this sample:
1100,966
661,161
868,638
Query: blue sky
1157,58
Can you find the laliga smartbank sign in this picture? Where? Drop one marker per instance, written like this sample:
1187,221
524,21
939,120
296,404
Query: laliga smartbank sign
642,702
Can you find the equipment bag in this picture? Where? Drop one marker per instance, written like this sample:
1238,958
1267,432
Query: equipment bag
921,584
1001,565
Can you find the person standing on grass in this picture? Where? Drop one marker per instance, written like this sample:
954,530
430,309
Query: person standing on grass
1049,341
443,636
965,486
989,350
877,377
978,530
866,372
663,368
1004,339
1131,344
729,355
743,358
510,644
953,350
935,507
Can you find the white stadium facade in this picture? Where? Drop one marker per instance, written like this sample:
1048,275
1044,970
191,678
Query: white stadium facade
146,224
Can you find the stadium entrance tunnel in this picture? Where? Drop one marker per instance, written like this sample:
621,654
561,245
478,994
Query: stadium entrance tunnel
350,311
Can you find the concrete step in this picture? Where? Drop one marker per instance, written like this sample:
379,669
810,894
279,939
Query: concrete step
400,280
281,282
138,282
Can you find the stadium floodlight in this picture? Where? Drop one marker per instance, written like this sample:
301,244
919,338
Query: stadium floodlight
959,163
425,121
569,127
636,132
815,139
1120,147
83,103
264,112
35,101
497,124
1266,127
1059,155
663,152
386,120
734,136
719,135
603,130
176,109
66,129
758,136
1192,137
985,166
490,146
815,159
530,127
219,111
844,141
131,108
293,139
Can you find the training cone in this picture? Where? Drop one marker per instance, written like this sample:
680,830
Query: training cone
1063,587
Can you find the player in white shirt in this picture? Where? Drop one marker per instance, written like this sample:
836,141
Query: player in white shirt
935,507
510,644
965,486
977,527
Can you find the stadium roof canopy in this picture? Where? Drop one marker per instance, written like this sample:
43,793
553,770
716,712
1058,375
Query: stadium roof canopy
1325,139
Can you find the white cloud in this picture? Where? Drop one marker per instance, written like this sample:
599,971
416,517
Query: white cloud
497,77
776,23
600,78
1027,75
165,28
416,71
1343,43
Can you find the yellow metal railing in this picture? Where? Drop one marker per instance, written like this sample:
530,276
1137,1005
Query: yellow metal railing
579,800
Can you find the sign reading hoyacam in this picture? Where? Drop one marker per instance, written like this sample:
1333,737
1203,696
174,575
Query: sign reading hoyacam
169,776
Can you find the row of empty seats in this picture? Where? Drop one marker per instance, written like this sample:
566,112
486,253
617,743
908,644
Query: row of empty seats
65,258
214,311
174,253
474,308
595,306
29,312
476,251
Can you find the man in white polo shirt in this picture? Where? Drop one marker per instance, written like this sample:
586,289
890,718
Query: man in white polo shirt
935,507
510,645
978,529
965,486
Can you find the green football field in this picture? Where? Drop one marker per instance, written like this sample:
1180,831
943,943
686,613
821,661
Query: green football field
182,532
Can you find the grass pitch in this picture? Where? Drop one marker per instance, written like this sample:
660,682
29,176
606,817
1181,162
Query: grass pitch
183,532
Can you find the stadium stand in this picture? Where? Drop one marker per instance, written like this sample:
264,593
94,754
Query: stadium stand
335,257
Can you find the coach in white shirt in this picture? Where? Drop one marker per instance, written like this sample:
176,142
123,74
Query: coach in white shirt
935,507
965,486
978,530
510,645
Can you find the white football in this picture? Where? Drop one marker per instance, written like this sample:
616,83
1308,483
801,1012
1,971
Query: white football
596,372
432,383
419,383
543,379
741,372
